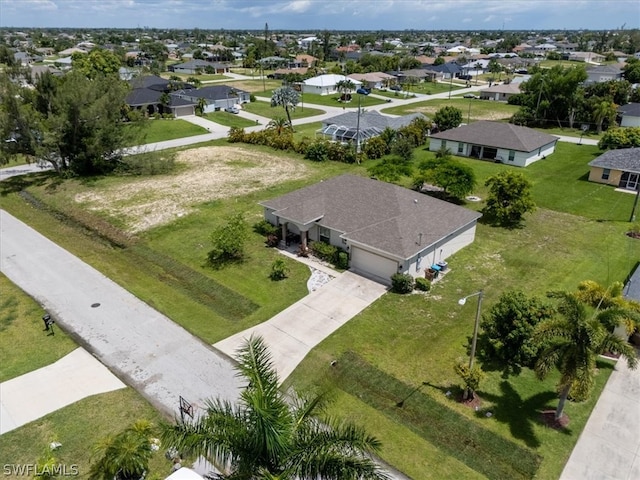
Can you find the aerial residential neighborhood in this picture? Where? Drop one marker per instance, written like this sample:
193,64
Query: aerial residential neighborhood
319,240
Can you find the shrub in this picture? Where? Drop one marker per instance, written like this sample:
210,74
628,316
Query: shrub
423,284
471,377
302,145
375,148
317,151
324,251
228,241
252,98
263,227
402,283
342,261
272,240
236,135
279,270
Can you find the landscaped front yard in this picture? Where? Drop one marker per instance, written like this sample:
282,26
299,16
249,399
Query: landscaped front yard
397,343
264,109
160,130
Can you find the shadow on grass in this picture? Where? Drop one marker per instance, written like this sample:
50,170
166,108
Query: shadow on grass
520,414
21,182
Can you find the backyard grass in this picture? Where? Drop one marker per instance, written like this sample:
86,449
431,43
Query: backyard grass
577,233
571,132
306,130
160,130
265,109
24,346
333,100
78,427
204,77
472,109
257,87
229,119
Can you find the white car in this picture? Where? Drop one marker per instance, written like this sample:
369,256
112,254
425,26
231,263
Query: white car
232,109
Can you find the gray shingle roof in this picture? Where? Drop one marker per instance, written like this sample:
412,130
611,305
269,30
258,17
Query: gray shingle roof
630,109
386,217
625,159
498,135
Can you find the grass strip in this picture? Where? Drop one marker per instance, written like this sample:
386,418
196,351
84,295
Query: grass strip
225,302
480,449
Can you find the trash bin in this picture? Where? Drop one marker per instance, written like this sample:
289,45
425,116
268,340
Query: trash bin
443,266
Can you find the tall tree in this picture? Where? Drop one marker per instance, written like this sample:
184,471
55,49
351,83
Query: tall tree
604,110
447,117
287,98
573,342
97,62
509,198
269,434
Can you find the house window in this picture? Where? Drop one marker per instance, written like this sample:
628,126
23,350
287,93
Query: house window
512,155
325,234
605,173
460,147
444,144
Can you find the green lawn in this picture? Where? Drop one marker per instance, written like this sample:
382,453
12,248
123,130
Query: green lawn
471,108
306,130
204,77
24,346
577,233
78,427
229,119
571,132
332,100
265,109
159,130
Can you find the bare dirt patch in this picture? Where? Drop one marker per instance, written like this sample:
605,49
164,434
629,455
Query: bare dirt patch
212,173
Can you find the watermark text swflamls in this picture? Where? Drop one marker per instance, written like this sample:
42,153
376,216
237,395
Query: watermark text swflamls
35,470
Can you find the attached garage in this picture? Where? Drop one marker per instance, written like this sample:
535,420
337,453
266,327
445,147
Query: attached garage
369,263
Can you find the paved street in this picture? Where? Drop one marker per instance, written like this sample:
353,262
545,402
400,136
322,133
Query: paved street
146,349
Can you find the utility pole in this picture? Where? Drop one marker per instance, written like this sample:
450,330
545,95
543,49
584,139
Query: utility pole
266,35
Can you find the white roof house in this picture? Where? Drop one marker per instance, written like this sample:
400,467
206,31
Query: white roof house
326,84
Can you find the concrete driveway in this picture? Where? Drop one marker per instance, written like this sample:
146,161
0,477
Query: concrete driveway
609,446
292,333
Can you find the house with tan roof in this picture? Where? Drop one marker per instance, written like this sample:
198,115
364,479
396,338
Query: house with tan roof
496,141
385,229
500,92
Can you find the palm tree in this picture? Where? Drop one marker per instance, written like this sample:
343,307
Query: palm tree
279,124
267,434
286,97
200,106
345,87
125,456
572,343
605,110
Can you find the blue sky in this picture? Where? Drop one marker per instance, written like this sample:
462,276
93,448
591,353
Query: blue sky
324,14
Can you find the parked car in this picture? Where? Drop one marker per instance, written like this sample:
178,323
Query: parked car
465,77
396,88
470,95
233,109
363,91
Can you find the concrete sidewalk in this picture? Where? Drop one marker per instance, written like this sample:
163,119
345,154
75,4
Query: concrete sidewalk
292,333
609,446
146,349
35,394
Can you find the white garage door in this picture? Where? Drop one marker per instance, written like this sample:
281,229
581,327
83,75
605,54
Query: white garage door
372,264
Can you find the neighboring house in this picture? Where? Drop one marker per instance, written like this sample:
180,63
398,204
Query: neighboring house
385,229
218,97
361,126
500,93
148,94
325,84
38,70
199,66
604,73
620,168
375,80
587,57
415,75
447,71
284,72
630,115
303,61
503,142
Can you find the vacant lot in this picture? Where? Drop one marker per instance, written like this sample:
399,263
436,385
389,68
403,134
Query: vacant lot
471,108
210,173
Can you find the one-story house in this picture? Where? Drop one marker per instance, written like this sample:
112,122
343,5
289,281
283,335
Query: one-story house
629,115
503,142
604,73
200,66
218,97
500,93
156,95
373,79
385,229
620,168
326,84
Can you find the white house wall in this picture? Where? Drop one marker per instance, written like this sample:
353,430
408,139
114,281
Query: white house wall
629,121
521,159
441,251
